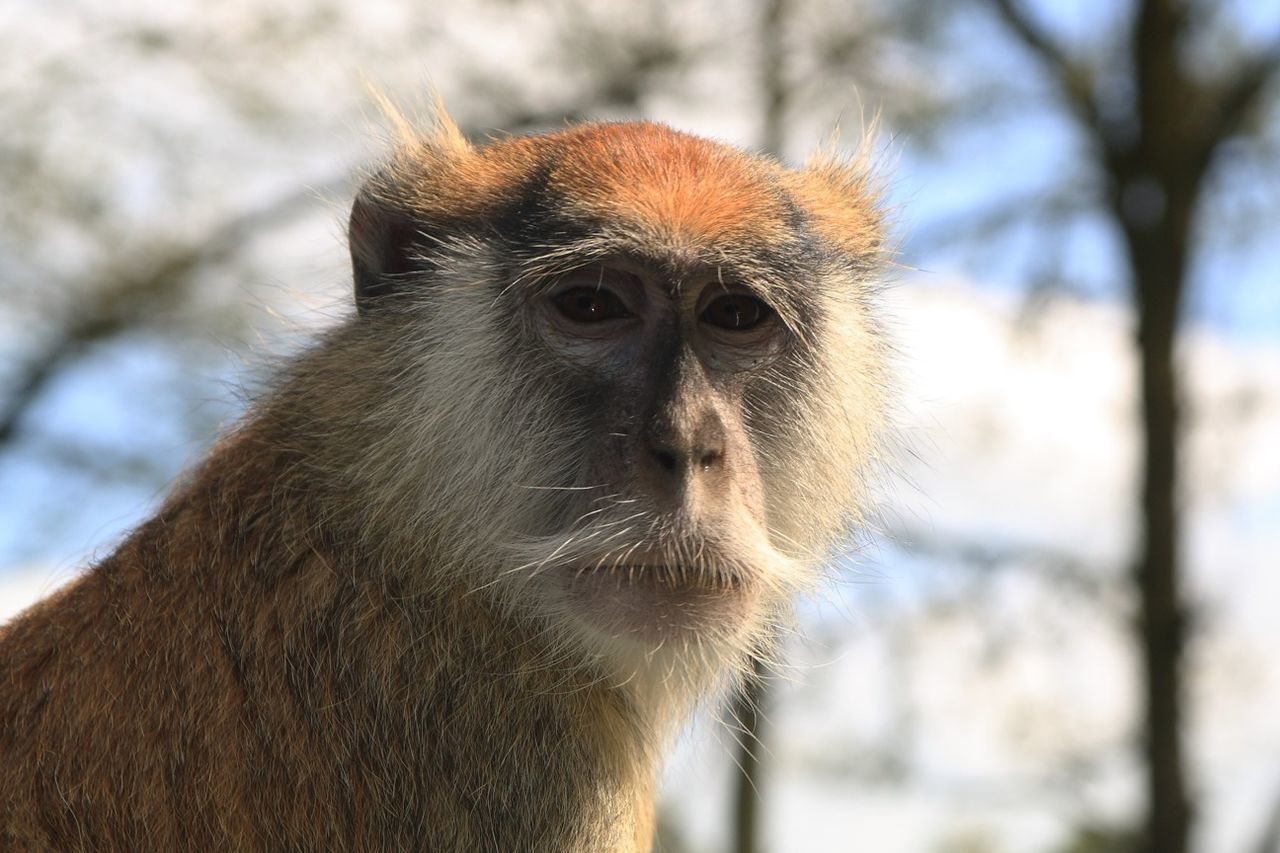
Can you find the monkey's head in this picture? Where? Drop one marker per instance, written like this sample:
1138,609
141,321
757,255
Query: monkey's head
627,384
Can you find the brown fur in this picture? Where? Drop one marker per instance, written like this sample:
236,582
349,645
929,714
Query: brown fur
322,640
233,677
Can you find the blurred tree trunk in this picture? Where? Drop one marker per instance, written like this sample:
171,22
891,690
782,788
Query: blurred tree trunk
748,712
1155,157
773,77
1155,184
1158,254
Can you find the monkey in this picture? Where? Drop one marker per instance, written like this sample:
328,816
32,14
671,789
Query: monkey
609,399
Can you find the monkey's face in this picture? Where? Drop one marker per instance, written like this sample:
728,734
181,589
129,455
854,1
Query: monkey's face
667,519
639,383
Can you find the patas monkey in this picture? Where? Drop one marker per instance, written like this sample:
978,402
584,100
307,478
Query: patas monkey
608,399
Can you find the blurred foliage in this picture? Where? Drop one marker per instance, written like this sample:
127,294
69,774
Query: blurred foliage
970,841
1101,839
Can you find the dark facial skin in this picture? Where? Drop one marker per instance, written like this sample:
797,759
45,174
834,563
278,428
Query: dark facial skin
668,361
673,357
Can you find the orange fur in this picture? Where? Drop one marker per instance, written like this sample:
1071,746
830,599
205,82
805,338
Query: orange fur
667,184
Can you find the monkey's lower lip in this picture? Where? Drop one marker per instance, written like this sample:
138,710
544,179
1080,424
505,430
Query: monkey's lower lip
652,602
663,575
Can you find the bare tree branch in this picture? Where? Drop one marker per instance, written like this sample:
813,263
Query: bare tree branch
1065,570
129,298
1073,78
1050,206
1233,104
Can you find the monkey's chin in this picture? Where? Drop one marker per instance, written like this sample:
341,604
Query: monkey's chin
654,604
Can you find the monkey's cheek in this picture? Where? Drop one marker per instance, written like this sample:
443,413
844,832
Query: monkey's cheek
630,605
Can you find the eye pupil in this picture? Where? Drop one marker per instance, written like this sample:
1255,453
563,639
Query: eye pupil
736,312
590,305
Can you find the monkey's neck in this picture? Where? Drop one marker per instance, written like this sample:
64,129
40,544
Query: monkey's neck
355,694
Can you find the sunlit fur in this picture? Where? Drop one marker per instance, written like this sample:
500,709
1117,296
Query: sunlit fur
339,631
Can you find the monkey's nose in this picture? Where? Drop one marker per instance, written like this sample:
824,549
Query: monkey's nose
675,462
679,451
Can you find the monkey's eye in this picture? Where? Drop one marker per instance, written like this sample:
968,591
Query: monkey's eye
735,312
590,305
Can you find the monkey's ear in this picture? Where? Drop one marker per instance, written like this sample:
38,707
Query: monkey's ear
418,186
384,248
842,198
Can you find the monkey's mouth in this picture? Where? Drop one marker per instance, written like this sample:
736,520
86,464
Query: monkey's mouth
655,601
665,576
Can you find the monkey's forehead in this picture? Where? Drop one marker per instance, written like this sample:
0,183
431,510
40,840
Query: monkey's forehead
669,186
667,183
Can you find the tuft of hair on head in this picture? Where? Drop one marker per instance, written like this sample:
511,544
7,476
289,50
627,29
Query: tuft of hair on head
427,155
432,129
419,180
841,194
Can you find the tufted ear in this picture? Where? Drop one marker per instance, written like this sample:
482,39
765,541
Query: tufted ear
385,247
841,196
412,195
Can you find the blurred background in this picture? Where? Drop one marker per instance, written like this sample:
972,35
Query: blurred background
1061,635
